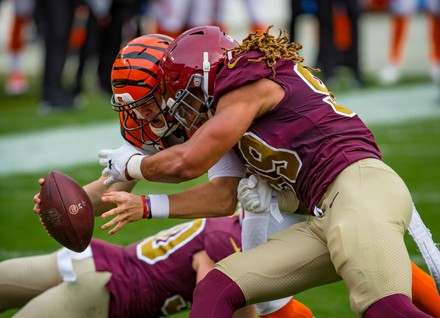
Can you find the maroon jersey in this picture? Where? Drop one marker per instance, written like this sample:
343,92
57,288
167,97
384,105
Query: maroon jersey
307,139
154,277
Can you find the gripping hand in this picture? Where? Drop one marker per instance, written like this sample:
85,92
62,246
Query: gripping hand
254,194
115,162
257,196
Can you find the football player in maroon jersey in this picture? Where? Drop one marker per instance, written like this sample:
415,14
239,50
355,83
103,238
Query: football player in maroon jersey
154,277
146,128
285,126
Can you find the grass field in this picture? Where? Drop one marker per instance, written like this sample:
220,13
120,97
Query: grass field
411,147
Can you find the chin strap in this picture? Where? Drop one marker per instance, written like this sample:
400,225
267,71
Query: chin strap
423,239
206,69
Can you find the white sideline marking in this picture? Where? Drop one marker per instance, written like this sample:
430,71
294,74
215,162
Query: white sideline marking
395,104
57,148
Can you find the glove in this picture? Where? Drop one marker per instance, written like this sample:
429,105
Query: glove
257,196
115,161
254,194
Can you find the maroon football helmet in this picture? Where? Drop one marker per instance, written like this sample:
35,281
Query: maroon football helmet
188,70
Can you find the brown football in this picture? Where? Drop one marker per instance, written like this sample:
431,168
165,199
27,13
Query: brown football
66,211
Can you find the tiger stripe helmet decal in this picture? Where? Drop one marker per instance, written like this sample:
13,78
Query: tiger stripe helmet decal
134,80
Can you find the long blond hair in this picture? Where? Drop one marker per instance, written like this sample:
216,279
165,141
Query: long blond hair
273,48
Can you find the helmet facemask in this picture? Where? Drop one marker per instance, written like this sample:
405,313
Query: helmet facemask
192,106
133,123
187,73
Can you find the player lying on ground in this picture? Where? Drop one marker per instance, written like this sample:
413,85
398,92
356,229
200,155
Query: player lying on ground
154,277
81,283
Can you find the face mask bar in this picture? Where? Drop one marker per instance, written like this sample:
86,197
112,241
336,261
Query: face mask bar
140,129
183,107
124,102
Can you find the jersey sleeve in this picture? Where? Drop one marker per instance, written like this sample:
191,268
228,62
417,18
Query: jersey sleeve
230,165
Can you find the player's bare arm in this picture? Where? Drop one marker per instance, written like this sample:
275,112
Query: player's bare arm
215,198
235,112
96,190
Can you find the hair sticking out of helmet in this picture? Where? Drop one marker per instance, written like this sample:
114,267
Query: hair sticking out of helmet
188,70
134,80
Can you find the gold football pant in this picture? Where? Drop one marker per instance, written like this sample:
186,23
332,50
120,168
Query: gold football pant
35,283
359,238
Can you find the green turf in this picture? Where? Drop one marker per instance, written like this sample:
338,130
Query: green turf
411,148
20,113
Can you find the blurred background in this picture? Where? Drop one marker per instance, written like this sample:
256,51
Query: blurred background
368,37
381,58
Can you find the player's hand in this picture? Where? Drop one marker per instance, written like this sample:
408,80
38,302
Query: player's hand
254,194
129,208
37,199
115,163
37,208
257,196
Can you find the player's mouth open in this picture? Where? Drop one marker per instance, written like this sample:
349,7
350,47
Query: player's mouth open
157,122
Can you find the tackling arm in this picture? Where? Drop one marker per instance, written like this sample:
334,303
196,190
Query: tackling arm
210,199
202,264
197,155
235,112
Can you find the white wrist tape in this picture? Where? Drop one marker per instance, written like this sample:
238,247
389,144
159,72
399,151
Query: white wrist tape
160,206
134,167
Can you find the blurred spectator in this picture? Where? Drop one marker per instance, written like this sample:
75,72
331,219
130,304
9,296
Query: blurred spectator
401,13
374,5
346,15
175,16
325,59
106,22
83,29
255,12
338,34
57,17
16,82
